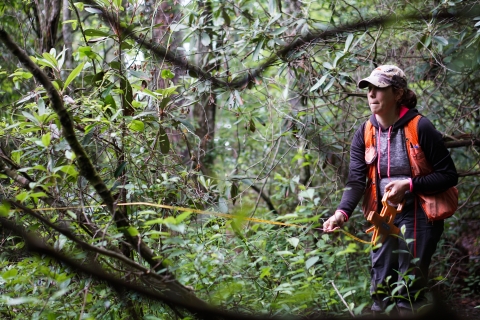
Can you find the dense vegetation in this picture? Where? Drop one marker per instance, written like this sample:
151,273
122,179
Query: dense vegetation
123,123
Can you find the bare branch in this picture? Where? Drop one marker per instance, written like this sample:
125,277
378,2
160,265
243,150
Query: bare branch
90,268
265,198
462,143
283,54
89,172
466,174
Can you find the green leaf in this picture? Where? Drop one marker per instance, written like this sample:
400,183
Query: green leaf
73,22
38,195
93,10
309,193
170,220
279,31
110,105
126,45
284,253
259,47
20,300
3,7
310,262
441,40
22,196
167,74
120,168
139,75
68,169
272,6
164,103
10,273
95,33
205,39
187,125
226,17
319,83
31,117
181,217
41,107
86,52
79,5
73,75
222,205
4,209
154,221
338,58
115,65
168,91
50,58
328,65
294,241
265,272
46,138
136,125
132,231
329,84
164,142
348,42
40,167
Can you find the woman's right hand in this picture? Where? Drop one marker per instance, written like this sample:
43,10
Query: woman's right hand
335,221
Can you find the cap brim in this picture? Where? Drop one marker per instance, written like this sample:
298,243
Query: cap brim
362,84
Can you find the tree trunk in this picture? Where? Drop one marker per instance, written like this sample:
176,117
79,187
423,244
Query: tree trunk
47,14
294,7
67,36
205,110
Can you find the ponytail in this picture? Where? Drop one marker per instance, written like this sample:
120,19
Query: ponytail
409,99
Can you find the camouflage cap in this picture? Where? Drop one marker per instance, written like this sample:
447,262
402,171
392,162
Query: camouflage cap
385,76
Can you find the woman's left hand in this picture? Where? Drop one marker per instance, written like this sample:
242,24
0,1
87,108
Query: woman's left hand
397,190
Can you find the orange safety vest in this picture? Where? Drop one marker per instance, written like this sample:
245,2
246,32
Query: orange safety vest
437,206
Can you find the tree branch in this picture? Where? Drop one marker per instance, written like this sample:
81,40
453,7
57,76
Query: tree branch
89,172
85,246
462,143
466,174
282,54
90,268
265,198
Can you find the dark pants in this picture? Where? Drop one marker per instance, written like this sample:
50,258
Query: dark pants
395,259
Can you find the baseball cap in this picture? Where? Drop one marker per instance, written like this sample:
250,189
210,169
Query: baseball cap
384,76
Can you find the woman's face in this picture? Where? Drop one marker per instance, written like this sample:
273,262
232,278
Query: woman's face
382,101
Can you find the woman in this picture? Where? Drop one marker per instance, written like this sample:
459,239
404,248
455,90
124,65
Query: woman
392,106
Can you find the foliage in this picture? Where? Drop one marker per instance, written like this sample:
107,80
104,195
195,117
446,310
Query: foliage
241,107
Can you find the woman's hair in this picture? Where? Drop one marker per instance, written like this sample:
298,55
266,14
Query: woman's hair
408,98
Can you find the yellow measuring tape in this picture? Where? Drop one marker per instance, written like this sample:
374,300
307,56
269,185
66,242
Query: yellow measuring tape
197,211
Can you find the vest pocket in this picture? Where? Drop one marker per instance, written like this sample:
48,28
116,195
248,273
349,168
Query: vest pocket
441,205
420,166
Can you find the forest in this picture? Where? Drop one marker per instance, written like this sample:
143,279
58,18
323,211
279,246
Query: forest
176,159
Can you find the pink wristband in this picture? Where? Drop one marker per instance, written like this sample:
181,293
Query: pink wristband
411,184
345,216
